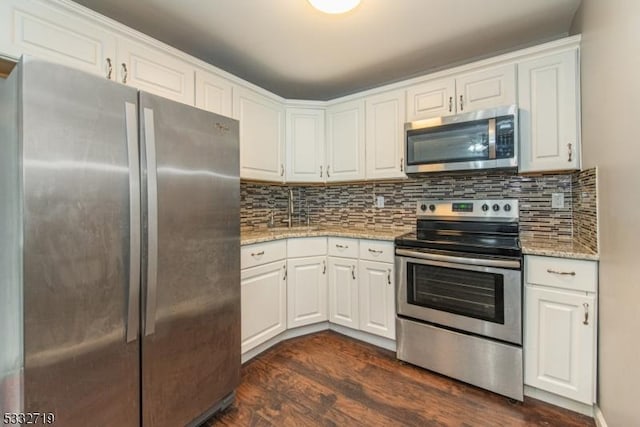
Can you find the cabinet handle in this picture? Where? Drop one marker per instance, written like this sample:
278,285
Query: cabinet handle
257,253
461,103
570,151
389,276
339,246
125,73
324,267
450,103
586,314
109,68
373,251
284,267
562,273
281,170
401,164
353,272
328,176
320,171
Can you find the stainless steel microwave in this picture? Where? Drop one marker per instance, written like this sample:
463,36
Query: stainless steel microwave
485,139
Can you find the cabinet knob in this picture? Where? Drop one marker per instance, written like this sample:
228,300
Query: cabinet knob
320,171
569,146
324,267
388,276
328,175
284,267
461,103
109,68
401,164
373,251
257,253
450,103
281,170
125,73
353,272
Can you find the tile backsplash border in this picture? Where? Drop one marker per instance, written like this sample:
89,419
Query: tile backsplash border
353,204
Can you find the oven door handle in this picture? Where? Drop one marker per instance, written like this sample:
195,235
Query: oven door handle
459,260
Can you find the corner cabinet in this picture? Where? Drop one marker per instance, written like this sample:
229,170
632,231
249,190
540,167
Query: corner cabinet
345,142
261,136
385,115
548,92
305,145
560,326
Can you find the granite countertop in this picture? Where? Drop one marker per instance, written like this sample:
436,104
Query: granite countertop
248,237
556,248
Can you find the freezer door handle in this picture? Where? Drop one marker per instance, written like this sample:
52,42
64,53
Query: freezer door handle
152,222
133,309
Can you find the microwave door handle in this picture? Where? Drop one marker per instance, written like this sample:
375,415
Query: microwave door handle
492,138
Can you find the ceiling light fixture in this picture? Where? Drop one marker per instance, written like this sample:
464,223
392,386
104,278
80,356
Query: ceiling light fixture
334,6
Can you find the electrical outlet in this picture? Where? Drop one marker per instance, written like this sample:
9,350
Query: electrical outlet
557,200
380,201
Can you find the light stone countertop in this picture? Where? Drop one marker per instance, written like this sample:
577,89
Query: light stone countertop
248,237
556,248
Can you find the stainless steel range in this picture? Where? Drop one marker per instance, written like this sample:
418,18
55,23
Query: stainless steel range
459,293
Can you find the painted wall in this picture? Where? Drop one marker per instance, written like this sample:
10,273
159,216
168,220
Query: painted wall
610,64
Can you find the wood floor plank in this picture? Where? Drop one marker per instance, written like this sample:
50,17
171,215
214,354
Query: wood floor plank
327,379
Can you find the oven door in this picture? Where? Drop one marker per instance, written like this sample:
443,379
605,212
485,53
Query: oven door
479,296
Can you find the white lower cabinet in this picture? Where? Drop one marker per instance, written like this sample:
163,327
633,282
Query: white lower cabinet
377,302
560,327
306,291
263,303
343,291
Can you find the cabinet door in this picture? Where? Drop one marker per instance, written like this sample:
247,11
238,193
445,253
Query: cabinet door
261,136
152,70
263,303
43,30
305,145
345,142
488,88
549,118
343,291
213,93
559,347
435,98
306,291
385,116
377,302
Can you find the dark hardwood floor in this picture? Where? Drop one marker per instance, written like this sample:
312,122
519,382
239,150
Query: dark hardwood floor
327,379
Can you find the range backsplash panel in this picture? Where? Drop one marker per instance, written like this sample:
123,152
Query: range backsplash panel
353,204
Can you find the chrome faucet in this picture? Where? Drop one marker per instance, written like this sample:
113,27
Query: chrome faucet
289,219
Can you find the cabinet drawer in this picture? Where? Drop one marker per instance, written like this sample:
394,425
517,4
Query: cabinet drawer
306,246
343,247
375,250
572,274
262,253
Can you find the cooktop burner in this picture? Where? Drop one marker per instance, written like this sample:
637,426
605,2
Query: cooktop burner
471,227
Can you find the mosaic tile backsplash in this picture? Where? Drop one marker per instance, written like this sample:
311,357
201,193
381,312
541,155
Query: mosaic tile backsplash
353,204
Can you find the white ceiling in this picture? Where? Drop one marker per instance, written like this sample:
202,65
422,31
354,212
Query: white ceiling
293,50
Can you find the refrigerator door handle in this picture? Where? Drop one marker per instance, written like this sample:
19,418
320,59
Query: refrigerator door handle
152,222
133,309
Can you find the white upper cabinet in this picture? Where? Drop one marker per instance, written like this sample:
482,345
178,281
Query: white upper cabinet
548,89
305,145
434,98
155,71
213,93
261,136
38,28
345,142
475,90
487,88
385,115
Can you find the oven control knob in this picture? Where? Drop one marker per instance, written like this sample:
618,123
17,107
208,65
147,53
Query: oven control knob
496,207
432,208
423,207
485,207
507,207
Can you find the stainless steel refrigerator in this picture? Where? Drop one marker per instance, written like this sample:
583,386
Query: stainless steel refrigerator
120,239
